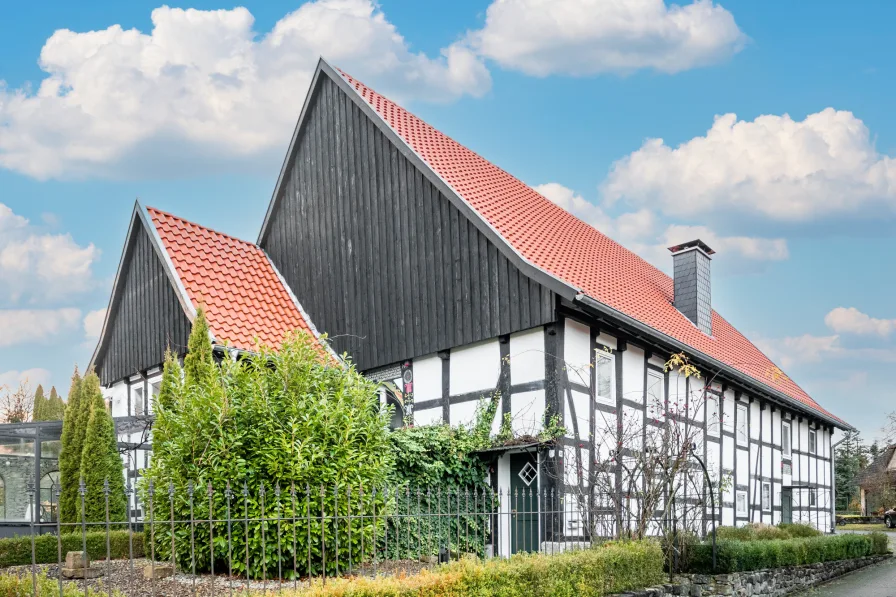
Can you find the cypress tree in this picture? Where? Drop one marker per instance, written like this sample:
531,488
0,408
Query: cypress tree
40,405
100,460
171,383
55,406
199,364
70,454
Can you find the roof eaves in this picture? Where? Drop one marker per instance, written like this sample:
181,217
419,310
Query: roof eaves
712,361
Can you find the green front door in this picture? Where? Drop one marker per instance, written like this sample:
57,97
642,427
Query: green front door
523,502
786,505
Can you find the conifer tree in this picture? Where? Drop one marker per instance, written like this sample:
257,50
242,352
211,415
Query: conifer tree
55,406
100,460
40,405
171,383
70,454
199,364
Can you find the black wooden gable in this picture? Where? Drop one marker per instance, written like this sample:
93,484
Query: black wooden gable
145,315
380,257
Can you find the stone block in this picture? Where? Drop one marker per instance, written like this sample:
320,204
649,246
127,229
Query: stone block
81,572
158,571
76,559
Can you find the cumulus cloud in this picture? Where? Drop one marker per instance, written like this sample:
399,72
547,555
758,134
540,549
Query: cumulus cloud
798,350
93,323
773,167
586,37
32,377
119,102
850,320
27,326
38,267
643,232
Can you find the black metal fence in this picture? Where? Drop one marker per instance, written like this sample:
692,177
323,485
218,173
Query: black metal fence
207,539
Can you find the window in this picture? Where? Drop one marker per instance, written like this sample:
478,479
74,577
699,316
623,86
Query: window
137,401
604,374
766,497
811,441
741,424
712,415
812,497
656,396
740,503
785,439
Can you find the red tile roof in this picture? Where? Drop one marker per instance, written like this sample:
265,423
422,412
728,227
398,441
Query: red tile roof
245,301
568,248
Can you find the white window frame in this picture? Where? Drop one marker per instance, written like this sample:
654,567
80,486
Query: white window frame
766,496
740,496
713,422
611,360
812,442
786,446
741,426
813,497
654,410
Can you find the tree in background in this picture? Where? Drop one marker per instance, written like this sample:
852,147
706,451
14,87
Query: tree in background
852,457
41,405
16,406
55,406
199,364
100,461
73,429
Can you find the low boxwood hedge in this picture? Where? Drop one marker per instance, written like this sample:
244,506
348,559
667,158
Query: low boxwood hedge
610,568
742,556
16,551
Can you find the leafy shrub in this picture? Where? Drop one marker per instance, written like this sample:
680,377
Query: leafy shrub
741,556
880,543
744,533
678,549
12,585
16,551
268,422
800,529
611,568
767,532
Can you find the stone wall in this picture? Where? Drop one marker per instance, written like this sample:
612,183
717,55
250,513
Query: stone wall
761,583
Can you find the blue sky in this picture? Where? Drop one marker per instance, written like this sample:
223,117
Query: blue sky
612,115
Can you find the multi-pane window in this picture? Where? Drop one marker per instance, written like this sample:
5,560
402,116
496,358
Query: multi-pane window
740,503
137,401
812,497
604,374
741,424
656,399
766,497
811,441
712,415
785,439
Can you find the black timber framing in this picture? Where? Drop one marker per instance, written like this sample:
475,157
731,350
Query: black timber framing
377,254
145,316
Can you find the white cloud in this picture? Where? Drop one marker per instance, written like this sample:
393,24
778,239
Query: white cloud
39,267
202,87
26,326
774,167
585,37
93,323
794,350
641,231
852,321
33,377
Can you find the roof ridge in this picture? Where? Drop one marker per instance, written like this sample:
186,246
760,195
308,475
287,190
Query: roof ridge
191,222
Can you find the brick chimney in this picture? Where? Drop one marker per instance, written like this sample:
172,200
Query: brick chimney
693,290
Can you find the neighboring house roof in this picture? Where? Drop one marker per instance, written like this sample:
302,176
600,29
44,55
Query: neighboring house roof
883,465
246,301
557,243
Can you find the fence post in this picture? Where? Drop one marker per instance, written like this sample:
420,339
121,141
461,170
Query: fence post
108,544
29,489
56,493
211,534
82,489
150,495
228,495
190,491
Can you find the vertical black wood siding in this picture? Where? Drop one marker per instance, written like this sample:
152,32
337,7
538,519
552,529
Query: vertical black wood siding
378,257
147,317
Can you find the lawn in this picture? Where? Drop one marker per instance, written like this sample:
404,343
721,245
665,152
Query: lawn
863,527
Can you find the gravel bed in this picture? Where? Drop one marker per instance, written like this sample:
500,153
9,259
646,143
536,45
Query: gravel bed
129,581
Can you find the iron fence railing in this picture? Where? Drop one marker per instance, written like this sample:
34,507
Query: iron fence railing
235,538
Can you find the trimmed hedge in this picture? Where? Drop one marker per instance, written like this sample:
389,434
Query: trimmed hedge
16,551
610,568
766,532
743,556
20,586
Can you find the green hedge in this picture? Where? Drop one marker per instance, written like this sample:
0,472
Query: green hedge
766,532
610,568
16,551
20,586
742,556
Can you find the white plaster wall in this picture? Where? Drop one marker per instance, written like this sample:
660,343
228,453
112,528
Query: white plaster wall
582,420
633,374
475,368
430,416
527,356
755,424
464,413
743,467
728,411
527,412
604,339
504,505
728,453
427,378
118,393
577,352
